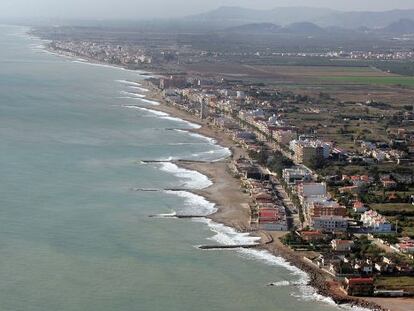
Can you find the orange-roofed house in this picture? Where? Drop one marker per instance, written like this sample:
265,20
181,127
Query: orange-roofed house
359,207
342,245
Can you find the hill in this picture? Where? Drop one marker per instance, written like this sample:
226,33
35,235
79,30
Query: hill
236,16
259,28
403,26
304,28
374,20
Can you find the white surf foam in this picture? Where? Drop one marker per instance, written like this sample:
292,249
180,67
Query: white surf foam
196,135
166,215
191,179
280,283
194,204
130,83
151,102
141,89
185,144
228,236
163,115
133,94
223,152
191,124
155,112
101,65
128,97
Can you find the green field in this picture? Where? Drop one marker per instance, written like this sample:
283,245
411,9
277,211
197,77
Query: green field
397,207
402,282
391,80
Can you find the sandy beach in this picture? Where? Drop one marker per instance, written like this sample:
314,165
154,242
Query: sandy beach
234,211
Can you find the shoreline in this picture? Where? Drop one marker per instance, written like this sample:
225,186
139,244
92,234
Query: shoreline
234,215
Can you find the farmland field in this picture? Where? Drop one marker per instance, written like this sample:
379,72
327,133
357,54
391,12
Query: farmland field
378,80
335,75
393,207
406,283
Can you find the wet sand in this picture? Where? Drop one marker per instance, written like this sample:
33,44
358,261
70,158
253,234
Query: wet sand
232,204
394,304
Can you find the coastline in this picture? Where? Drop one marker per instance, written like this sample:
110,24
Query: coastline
233,209
232,204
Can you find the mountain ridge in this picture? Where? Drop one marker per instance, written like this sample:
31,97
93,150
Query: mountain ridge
232,16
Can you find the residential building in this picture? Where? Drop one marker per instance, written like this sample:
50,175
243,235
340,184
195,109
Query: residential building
375,222
359,207
326,208
313,236
284,137
311,189
296,174
342,245
330,223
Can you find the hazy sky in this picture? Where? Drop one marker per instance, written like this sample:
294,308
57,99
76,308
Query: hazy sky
170,8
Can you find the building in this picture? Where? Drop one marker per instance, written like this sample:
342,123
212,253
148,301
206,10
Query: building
203,110
311,189
375,222
388,183
365,267
263,197
359,207
284,137
308,154
309,151
272,219
326,208
360,180
330,223
313,236
405,245
349,189
173,82
342,245
297,174
359,286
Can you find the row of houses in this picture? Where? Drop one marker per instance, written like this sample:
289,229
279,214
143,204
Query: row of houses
268,212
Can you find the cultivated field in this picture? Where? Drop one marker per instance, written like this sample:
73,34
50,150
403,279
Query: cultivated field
346,83
375,80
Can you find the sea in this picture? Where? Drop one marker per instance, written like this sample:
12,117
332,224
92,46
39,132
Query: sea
75,231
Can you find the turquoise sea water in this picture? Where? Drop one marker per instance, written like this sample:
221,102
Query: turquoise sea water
74,233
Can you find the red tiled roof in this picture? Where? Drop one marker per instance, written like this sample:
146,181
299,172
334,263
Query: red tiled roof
358,204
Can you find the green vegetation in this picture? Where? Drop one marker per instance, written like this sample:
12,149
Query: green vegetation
405,224
364,248
393,209
381,80
295,242
390,238
401,282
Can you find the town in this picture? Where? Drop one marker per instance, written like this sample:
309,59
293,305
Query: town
343,205
335,175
